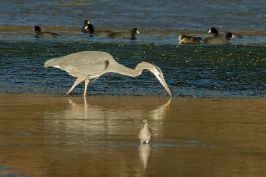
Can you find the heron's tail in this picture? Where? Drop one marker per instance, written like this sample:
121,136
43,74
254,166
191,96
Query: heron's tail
51,63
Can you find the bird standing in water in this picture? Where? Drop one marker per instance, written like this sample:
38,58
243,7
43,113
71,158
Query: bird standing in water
89,65
145,132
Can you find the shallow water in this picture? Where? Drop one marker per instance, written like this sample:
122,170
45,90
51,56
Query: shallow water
158,21
44,135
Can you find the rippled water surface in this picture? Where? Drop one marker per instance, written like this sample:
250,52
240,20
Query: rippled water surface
193,71
158,21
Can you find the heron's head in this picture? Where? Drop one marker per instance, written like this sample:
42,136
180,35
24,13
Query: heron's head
156,71
159,75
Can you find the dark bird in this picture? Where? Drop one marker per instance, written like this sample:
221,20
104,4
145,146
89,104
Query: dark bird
215,32
220,39
90,65
184,39
89,28
40,34
125,35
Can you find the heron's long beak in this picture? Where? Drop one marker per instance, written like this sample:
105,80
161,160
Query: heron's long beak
167,88
162,81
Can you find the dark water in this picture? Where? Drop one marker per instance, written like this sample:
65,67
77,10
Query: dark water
158,21
154,14
236,70
192,71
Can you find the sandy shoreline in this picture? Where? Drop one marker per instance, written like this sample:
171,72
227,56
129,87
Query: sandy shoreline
40,130
124,99
67,29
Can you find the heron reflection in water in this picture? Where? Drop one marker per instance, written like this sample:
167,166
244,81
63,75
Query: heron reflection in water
90,65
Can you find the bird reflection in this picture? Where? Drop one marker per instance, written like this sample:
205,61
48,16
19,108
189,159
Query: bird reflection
86,118
144,154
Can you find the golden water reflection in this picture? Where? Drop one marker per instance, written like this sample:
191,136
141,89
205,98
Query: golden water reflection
42,135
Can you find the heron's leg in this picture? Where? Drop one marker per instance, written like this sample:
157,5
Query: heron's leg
86,85
79,80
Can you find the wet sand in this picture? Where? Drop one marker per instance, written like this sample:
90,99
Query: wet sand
23,30
50,135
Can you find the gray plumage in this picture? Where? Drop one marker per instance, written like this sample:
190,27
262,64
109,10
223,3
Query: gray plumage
88,65
145,132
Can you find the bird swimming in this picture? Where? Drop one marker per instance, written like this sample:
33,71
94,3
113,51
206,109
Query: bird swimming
145,133
125,35
89,28
40,34
219,39
90,65
85,28
184,39
215,33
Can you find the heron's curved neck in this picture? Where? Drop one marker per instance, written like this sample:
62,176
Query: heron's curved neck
131,72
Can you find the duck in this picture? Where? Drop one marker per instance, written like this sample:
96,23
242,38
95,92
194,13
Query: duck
145,133
89,28
125,35
85,28
184,39
215,32
220,39
40,34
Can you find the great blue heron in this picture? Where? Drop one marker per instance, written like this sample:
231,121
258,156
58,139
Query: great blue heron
88,65
40,34
145,132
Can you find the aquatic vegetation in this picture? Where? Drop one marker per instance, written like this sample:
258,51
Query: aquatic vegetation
205,71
